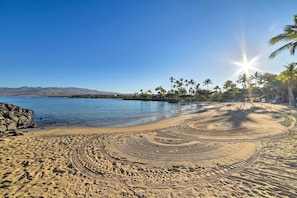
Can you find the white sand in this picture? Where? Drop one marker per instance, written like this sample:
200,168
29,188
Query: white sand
230,150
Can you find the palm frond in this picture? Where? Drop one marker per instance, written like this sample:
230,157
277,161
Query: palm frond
289,35
293,47
278,38
290,28
276,52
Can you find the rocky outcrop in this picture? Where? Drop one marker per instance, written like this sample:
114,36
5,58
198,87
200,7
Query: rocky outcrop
13,117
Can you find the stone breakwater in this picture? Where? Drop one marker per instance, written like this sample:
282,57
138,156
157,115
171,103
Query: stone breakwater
13,117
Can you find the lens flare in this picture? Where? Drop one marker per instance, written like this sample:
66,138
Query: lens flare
246,65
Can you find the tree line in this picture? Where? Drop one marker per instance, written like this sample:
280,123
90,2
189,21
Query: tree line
254,87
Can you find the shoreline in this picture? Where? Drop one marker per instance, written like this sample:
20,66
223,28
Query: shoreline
160,123
91,113
228,150
154,125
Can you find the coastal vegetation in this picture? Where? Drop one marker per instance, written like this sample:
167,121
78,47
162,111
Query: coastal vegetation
289,75
254,87
277,88
290,36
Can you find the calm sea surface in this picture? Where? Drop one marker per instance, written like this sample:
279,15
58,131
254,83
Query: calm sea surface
74,112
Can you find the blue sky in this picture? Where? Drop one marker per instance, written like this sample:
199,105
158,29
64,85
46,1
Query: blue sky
128,45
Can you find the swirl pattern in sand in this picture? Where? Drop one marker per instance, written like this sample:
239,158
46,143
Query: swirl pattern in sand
155,158
183,154
236,150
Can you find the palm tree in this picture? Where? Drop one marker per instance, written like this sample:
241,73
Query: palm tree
227,85
234,90
244,81
191,82
272,87
289,76
197,88
171,80
186,85
207,82
161,92
217,89
216,94
290,34
179,85
256,77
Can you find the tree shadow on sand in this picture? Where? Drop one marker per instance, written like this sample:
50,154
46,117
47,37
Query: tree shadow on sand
241,115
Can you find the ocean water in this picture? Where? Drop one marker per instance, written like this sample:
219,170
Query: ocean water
80,112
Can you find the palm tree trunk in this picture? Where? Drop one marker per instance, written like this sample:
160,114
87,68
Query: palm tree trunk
290,93
283,95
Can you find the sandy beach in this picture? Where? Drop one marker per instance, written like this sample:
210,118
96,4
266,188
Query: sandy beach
226,150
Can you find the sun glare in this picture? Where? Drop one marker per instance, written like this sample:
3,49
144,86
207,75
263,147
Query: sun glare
246,65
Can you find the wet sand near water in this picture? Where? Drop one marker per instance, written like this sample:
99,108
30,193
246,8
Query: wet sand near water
228,150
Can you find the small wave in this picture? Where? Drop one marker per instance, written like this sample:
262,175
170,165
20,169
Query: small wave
150,119
67,112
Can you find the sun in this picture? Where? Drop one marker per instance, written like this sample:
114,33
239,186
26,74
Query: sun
246,65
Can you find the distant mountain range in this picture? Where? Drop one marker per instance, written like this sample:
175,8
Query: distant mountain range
50,92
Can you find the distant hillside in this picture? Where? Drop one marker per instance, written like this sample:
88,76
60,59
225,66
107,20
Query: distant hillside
49,91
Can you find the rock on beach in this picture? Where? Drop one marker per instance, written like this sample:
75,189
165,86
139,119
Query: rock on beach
13,117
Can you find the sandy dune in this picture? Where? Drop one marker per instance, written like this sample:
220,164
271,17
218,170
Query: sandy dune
228,150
